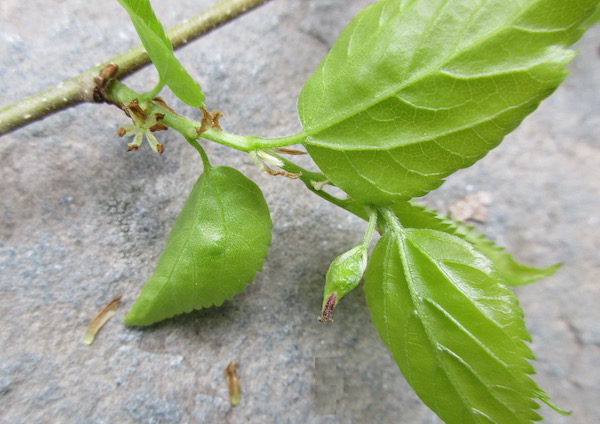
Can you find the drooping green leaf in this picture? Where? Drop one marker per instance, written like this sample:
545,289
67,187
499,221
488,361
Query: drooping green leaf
514,272
160,50
455,330
414,90
218,243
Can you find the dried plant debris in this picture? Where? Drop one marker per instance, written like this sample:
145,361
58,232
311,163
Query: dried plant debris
103,316
473,207
233,383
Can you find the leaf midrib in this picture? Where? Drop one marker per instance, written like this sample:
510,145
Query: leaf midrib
426,72
167,285
402,243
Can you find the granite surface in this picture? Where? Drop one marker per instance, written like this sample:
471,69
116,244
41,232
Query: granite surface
82,221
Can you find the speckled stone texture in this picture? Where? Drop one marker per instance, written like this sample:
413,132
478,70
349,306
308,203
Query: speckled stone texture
82,221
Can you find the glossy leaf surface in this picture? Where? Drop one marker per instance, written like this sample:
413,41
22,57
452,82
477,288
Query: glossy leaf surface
160,50
414,90
219,241
455,330
513,272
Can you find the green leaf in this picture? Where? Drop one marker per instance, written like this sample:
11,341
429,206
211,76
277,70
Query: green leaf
414,90
219,241
514,272
455,330
160,50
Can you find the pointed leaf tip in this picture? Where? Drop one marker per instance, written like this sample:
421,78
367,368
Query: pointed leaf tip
455,330
218,243
159,48
413,91
514,273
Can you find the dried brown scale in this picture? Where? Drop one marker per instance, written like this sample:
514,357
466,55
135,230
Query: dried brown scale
134,107
216,115
326,315
102,81
286,174
288,151
159,101
109,72
159,126
206,121
209,120
101,318
233,383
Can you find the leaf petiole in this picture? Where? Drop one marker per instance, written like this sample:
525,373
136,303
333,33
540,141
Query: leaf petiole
371,228
391,221
309,179
146,97
250,143
196,145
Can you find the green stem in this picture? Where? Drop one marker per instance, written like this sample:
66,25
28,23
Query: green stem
203,155
392,223
372,225
146,97
309,178
248,144
120,93
80,88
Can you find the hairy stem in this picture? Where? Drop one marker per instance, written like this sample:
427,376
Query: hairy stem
371,229
80,88
390,221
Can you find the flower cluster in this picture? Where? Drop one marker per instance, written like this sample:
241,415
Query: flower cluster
143,125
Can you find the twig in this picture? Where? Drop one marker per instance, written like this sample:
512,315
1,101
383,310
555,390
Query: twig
80,88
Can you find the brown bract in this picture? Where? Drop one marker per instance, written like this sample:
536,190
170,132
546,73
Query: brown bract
210,120
233,383
103,316
102,81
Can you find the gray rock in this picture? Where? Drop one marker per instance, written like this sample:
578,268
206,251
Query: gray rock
83,221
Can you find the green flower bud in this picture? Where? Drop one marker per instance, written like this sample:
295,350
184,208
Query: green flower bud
344,274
